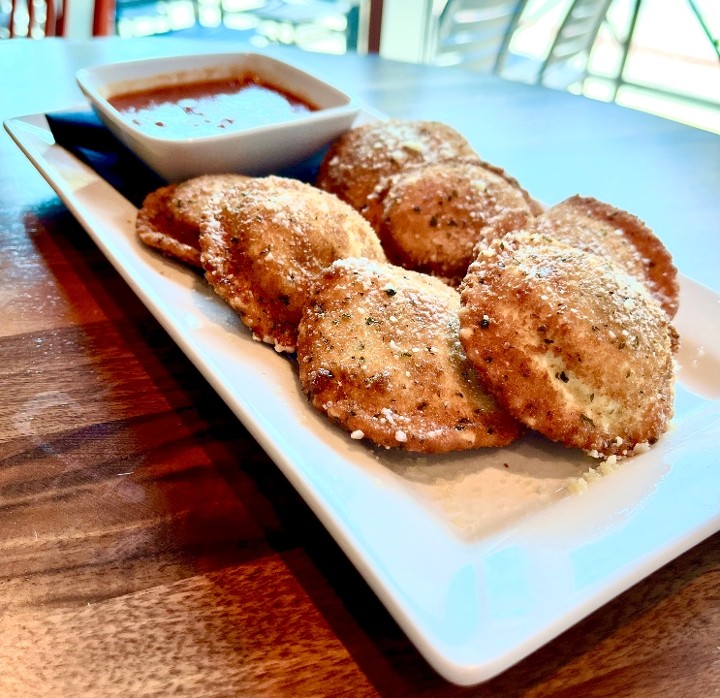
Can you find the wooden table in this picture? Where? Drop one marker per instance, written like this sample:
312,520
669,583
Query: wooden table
148,546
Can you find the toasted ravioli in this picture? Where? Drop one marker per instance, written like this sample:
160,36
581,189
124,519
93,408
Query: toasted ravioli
358,163
378,352
169,219
264,243
433,214
570,343
598,227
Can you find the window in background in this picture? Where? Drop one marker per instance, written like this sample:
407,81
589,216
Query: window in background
672,65
660,57
326,26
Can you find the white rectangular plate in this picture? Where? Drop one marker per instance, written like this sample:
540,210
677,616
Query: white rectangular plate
481,557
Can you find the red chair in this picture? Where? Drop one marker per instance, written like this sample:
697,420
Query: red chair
32,19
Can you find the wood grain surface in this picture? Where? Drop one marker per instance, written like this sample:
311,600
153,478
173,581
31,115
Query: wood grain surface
149,547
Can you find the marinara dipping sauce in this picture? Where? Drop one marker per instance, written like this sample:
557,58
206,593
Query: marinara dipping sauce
205,108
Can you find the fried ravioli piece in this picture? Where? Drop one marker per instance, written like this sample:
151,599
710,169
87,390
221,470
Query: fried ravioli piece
359,162
569,343
598,227
378,352
264,243
169,219
433,214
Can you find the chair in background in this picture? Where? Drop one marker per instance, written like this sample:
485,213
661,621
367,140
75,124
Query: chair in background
479,34
474,33
41,18
28,18
565,66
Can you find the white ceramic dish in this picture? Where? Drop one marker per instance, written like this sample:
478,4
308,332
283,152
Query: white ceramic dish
481,557
258,150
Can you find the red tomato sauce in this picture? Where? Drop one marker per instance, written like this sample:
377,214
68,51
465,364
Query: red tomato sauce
209,107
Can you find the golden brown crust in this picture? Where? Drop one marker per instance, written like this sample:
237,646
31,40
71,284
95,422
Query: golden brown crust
378,352
598,227
434,214
263,244
569,343
169,219
358,163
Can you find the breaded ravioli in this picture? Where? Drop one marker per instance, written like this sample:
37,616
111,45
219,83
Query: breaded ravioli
434,214
378,352
358,163
603,229
263,244
598,227
570,343
169,219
